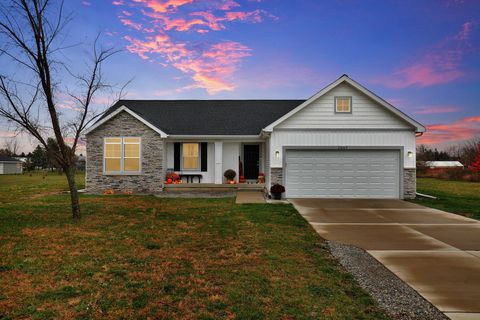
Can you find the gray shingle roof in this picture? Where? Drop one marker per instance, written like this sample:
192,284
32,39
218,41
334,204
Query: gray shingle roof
209,117
8,159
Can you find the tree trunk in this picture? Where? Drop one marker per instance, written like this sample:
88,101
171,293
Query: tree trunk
70,172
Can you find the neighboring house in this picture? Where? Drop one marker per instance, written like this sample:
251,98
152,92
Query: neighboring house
433,167
80,162
9,165
443,164
343,142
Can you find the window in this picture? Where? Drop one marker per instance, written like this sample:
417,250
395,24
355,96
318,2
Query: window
343,104
190,156
122,155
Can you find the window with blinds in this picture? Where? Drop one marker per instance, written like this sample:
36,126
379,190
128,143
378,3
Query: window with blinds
122,155
190,156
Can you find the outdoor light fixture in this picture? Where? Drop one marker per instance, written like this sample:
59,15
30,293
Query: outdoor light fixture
277,154
410,154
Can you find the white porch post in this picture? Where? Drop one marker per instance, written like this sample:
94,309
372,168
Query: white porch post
218,162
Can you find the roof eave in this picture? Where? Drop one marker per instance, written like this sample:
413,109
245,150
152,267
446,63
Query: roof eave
123,108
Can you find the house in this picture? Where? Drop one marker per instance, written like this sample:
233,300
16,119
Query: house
9,165
432,168
443,164
343,142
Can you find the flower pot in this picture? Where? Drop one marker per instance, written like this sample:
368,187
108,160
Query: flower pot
277,196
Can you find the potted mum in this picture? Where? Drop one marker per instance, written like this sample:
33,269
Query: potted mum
276,190
230,176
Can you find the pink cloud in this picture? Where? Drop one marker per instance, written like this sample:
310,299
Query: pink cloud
437,110
440,64
163,6
7,134
130,23
210,65
457,131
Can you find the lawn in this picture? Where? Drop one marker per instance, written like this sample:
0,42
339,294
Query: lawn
134,257
453,196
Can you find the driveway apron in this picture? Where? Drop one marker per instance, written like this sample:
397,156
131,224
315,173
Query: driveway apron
435,252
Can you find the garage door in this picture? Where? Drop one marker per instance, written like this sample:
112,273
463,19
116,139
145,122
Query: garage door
314,173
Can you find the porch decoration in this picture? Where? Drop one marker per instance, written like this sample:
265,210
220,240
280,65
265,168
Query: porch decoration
276,190
261,177
173,178
230,176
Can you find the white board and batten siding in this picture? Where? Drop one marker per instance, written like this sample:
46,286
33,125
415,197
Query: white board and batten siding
366,113
327,173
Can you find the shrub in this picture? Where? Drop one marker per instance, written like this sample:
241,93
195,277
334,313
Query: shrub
277,188
230,174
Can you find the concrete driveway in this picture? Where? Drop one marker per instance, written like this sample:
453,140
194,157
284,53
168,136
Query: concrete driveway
435,252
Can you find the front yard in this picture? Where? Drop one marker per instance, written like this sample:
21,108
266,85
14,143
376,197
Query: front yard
453,196
146,257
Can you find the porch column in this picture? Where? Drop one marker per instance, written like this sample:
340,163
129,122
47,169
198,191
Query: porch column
218,162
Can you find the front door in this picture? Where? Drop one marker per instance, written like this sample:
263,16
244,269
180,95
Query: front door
251,158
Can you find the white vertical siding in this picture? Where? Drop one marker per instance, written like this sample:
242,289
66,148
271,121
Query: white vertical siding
335,138
1,168
267,162
231,152
207,176
366,113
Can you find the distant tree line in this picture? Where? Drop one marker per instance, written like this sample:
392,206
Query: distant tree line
465,152
41,158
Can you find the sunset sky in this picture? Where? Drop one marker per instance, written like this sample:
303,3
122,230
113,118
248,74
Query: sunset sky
421,56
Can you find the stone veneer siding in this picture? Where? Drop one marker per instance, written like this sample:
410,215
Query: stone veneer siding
150,180
409,183
276,176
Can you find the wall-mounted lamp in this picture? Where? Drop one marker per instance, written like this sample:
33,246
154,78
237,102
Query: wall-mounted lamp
410,154
277,154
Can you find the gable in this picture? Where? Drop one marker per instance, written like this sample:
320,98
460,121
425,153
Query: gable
366,113
356,90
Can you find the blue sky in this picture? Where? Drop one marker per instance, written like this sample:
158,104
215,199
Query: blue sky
422,56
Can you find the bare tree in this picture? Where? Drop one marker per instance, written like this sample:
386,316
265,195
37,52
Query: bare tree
33,95
12,145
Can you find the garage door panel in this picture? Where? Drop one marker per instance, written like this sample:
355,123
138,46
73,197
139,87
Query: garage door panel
342,173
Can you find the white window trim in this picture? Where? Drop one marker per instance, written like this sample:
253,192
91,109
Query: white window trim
199,161
342,97
122,157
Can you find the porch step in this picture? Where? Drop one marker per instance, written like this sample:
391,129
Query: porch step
212,187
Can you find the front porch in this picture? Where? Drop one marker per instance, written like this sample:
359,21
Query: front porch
202,163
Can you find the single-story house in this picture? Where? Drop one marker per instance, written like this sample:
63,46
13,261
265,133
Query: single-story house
443,164
9,165
343,142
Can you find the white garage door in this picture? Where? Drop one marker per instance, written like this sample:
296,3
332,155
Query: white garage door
314,173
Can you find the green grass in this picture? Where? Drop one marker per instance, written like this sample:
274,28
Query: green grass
453,196
138,257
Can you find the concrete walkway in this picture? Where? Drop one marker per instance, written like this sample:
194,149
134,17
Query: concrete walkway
244,196
435,252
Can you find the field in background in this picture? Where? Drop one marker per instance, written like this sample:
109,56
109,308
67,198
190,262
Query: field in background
453,196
